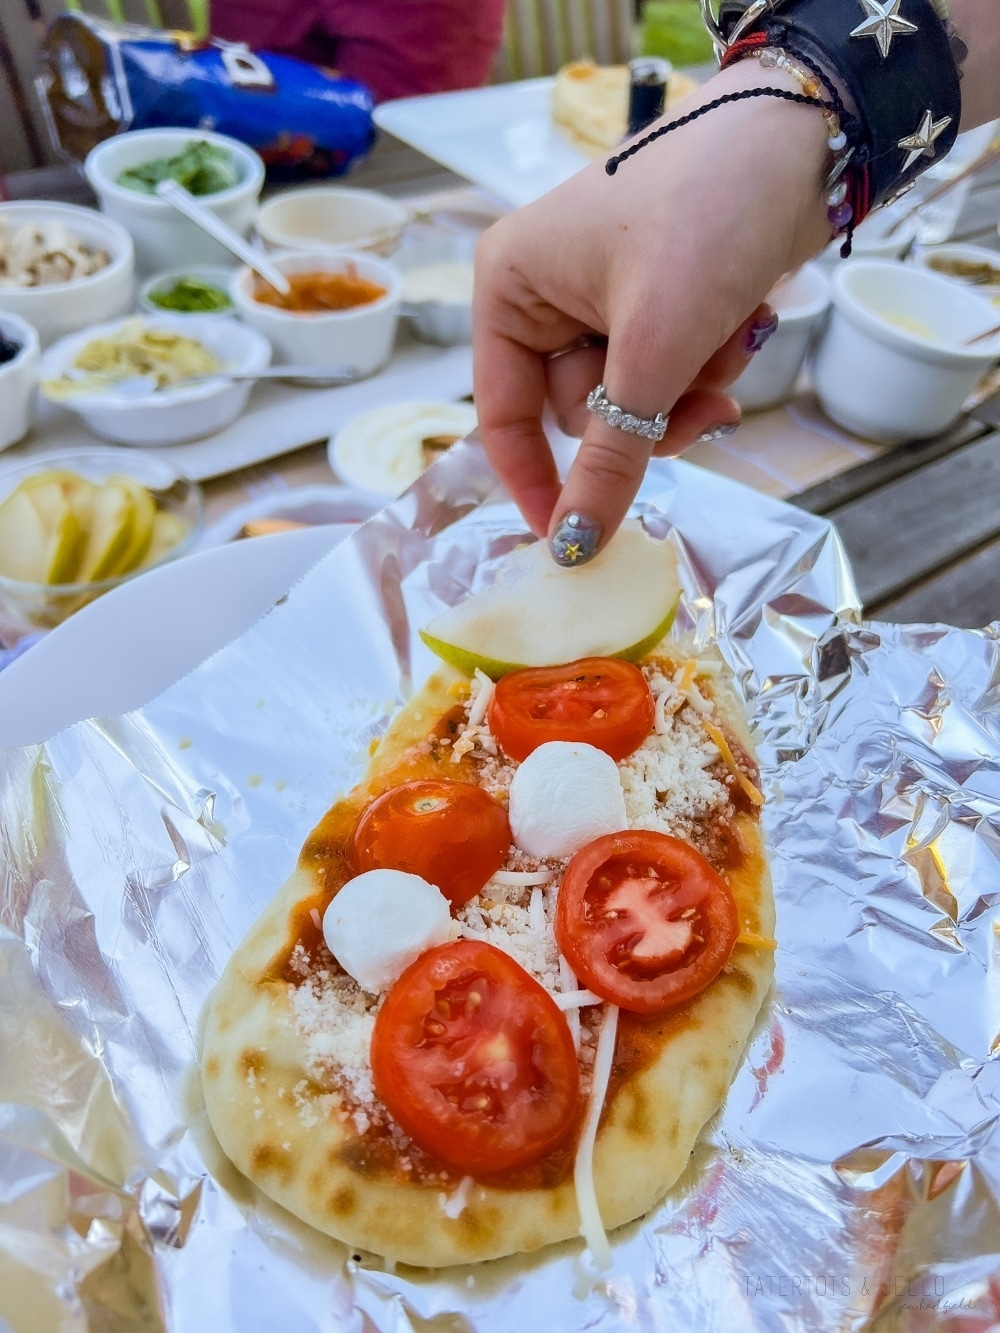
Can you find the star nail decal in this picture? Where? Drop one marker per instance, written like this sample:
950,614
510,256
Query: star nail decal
921,142
883,22
571,552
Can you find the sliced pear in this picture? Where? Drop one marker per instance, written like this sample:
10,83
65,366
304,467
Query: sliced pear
62,524
24,539
112,521
168,531
142,526
537,613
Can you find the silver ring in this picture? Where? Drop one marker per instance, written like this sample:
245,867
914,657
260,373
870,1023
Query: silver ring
619,419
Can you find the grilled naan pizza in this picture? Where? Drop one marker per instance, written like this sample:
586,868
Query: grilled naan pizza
515,969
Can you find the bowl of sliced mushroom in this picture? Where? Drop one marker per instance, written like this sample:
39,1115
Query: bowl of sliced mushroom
62,267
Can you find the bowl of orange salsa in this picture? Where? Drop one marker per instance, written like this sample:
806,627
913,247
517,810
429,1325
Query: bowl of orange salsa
341,309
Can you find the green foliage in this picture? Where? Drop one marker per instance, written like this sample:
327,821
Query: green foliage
673,29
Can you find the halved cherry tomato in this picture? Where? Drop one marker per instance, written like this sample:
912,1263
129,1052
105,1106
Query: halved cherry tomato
644,920
601,701
452,834
475,1061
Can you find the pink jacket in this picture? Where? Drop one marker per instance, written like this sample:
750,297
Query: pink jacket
396,47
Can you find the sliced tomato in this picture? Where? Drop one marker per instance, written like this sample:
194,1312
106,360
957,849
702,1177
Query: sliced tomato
644,920
452,834
475,1061
601,701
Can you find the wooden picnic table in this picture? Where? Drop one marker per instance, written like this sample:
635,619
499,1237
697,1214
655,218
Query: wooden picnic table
921,522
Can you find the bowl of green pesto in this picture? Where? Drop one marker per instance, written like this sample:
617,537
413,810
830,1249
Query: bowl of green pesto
225,176
192,290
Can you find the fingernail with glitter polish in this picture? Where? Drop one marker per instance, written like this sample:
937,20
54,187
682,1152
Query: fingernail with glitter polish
759,332
575,540
718,431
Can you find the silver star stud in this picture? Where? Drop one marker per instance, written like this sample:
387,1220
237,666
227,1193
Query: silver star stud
921,142
883,22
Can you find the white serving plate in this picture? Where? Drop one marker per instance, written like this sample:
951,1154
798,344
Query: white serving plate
501,137
280,418
123,650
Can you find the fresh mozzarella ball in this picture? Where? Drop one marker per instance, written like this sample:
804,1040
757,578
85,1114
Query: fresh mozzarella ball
382,921
563,796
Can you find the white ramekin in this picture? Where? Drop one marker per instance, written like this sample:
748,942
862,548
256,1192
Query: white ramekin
327,217
875,373
801,301
163,237
169,416
359,340
17,380
63,307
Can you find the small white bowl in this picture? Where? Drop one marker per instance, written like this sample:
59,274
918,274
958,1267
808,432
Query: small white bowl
801,301
17,380
314,506
446,322
359,340
326,217
168,416
968,254
871,240
891,365
218,277
63,307
380,450
163,237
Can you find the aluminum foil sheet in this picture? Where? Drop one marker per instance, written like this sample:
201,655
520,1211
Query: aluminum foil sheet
852,1180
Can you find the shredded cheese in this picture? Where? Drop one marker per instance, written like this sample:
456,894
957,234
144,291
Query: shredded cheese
591,1226
722,745
482,700
568,984
521,879
684,679
753,941
575,999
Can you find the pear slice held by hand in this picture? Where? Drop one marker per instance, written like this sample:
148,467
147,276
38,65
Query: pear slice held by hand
538,613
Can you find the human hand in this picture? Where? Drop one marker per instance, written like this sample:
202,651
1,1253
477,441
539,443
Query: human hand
669,260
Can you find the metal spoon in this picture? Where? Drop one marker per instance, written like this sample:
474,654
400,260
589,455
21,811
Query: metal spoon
144,385
981,337
186,203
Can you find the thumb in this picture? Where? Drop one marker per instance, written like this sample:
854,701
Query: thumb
609,467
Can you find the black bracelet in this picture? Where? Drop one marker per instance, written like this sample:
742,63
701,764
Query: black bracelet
894,57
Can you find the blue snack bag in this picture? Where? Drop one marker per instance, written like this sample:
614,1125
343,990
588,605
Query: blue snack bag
98,78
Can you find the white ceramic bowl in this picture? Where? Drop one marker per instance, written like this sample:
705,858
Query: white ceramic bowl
967,254
380,451
871,239
326,217
445,322
801,301
168,416
17,380
314,506
163,237
218,277
359,340
63,307
891,365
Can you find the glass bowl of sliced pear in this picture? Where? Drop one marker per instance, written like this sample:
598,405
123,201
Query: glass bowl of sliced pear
76,523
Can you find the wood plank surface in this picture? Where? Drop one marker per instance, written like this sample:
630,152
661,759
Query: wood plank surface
905,532
966,594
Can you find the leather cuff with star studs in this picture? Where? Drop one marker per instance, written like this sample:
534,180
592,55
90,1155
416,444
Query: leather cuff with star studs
895,59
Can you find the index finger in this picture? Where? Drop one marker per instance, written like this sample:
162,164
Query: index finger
509,391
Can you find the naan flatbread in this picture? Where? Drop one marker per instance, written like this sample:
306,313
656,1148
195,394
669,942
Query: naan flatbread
293,1130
